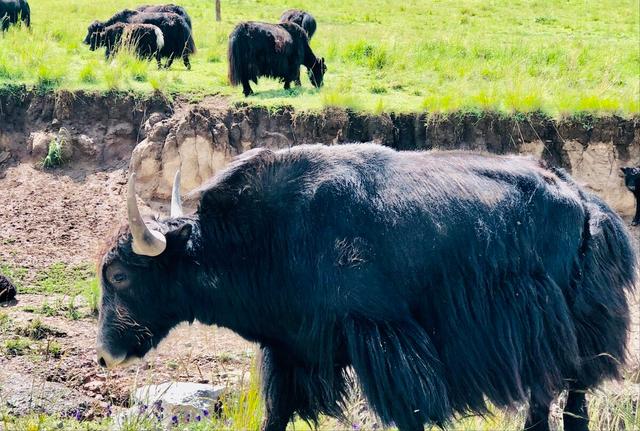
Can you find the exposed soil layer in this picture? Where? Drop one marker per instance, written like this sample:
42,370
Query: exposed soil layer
101,131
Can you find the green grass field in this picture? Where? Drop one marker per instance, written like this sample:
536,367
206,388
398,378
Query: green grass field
517,55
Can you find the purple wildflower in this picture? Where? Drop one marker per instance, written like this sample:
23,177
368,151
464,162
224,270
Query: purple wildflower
174,420
205,413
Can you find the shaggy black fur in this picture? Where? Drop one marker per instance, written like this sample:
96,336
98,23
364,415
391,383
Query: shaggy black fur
13,11
444,279
178,41
179,10
145,40
7,290
632,181
275,50
302,18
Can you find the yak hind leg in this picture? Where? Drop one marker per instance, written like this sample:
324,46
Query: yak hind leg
169,62
537,417
185,60
246,88
576,415
399,371
289,388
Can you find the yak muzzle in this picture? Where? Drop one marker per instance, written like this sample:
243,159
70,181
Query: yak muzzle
106,360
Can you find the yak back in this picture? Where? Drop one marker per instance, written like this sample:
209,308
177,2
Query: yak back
302,18
179,10
262,49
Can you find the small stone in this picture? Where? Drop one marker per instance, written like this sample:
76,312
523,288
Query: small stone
86,145
39,144
93,386
153,119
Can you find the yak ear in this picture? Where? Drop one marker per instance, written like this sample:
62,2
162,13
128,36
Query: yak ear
624,169
177,238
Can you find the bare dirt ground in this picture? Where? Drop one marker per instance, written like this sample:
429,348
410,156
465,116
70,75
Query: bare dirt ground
65,216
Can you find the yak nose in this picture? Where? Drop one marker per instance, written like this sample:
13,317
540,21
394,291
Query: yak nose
106,360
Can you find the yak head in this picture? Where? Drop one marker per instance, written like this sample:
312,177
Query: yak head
631,178
93,32
316,72
143,293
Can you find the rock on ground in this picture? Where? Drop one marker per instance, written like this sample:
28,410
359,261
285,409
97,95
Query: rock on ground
170,402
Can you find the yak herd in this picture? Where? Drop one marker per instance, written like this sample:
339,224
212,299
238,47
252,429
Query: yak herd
164,31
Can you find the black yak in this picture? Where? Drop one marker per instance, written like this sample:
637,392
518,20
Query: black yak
302,18
442,279
179,10
178,40
8,290
145,40
632,182
275,50
13,11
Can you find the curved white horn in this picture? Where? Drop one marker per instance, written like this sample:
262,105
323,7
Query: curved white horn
145,242
176,201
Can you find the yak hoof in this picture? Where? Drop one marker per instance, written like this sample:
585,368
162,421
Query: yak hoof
635,223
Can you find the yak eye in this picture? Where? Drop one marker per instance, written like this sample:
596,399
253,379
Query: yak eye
117,276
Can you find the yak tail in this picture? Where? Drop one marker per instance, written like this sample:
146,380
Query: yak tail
399,371
191,44
607,273
235,56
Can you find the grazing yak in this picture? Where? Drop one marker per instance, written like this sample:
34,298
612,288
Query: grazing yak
145,40
178,40
632,181
275,50
302,18
442,279
179,10
12,11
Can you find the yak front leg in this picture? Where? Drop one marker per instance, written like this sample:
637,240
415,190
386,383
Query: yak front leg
290,387
278,390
